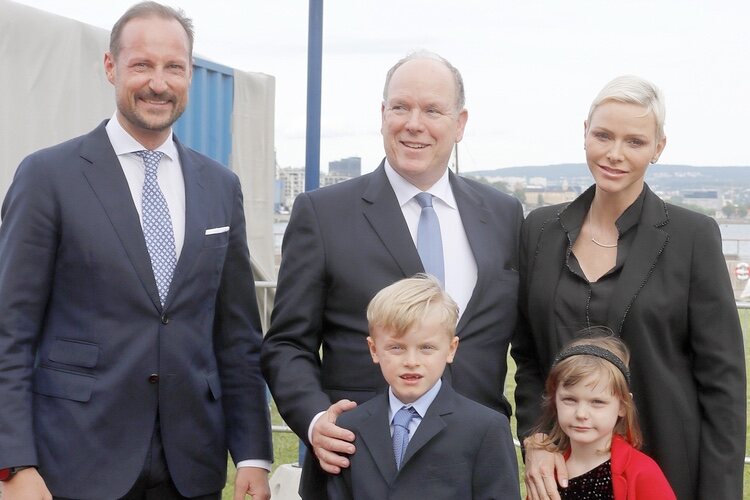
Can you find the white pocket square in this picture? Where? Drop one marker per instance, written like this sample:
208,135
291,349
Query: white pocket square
217,230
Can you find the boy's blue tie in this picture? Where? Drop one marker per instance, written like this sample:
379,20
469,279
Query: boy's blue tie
157,225
401,432
429,240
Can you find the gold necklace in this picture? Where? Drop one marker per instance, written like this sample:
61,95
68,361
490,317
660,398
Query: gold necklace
593,238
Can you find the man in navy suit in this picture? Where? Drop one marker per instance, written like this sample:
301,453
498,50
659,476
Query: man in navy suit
346,242
123,376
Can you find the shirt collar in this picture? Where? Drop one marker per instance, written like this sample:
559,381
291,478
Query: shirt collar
572,216
405,190
124,143
422,404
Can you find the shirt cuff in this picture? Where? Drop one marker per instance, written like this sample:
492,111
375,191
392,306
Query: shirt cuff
312,424
261,464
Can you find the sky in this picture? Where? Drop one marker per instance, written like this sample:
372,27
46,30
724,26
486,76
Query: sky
531,68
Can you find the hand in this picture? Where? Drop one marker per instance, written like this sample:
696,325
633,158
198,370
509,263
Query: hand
251,481
329,440
541,469
26,485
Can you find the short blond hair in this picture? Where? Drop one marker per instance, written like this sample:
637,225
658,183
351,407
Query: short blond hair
631,89
400,306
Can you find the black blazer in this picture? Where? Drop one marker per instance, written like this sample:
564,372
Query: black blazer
461,449
82,328
674,307
346,242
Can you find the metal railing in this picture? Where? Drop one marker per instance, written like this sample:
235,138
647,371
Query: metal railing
737,243
263,291
266,286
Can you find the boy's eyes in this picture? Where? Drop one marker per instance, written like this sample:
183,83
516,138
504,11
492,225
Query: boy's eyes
397,348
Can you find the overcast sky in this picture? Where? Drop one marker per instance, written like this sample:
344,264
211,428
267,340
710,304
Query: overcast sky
531,68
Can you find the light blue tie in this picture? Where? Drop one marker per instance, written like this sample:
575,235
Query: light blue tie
429,241
401,432
157,225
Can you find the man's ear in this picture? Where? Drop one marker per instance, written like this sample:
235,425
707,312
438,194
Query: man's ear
109,67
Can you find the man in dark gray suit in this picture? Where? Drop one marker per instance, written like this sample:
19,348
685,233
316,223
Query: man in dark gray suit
346,242
129,332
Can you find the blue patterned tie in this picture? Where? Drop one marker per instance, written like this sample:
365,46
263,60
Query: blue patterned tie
429,241
401,432
157,225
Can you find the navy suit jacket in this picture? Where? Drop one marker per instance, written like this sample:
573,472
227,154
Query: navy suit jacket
87,352
461,449
343,244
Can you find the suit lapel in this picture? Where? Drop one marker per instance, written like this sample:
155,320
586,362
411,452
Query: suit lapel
432,423
195,221
382,211
648,245
107,180
544,267
376,433
474,217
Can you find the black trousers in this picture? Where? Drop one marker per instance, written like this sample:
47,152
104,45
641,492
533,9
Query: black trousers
155,482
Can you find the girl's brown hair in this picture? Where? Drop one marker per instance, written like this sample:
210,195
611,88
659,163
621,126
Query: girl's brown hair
574,369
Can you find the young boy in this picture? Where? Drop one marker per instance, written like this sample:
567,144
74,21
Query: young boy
454,447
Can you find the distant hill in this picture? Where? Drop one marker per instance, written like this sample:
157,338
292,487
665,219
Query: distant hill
659,177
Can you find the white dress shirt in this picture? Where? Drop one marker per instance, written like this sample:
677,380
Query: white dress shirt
460,265
172,185
169,176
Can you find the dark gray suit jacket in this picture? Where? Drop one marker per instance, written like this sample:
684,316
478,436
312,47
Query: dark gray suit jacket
674,308
343,244
82,328
461,449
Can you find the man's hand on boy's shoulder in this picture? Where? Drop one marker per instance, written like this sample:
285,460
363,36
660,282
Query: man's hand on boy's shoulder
330,441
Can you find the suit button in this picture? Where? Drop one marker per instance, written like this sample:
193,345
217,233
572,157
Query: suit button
164,319
153,378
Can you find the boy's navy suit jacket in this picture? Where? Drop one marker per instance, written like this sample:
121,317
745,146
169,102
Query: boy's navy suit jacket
461,449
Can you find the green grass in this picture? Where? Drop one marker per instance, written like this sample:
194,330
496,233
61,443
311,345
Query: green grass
285,444
745,320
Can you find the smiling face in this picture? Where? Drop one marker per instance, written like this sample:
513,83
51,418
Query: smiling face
413,362
620,142
587,412
420,121
151,75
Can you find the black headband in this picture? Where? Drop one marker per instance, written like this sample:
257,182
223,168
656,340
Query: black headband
599,352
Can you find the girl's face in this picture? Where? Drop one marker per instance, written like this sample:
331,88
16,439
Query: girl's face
587,412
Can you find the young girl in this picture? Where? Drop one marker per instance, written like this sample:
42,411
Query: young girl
590,417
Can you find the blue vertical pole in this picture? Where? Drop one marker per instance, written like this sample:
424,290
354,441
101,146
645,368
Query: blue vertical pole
314,72
312,145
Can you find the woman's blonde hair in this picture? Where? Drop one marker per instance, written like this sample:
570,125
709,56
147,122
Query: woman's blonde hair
631,89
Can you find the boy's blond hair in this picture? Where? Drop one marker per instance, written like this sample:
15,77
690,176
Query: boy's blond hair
400,306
